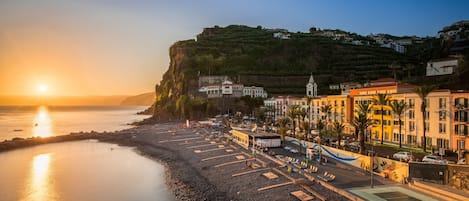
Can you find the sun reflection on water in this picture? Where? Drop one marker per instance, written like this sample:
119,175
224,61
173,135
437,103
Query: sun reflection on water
39,186
42,124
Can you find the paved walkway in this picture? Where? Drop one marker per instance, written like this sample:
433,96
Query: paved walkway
358,181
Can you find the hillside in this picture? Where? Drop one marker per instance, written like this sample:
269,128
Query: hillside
145,99
282,65
253,56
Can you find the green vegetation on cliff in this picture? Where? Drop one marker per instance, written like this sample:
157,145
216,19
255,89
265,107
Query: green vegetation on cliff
253,56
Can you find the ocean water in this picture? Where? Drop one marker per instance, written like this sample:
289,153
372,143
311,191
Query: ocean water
44,121
82,170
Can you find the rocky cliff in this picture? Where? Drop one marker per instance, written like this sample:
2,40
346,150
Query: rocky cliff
253,56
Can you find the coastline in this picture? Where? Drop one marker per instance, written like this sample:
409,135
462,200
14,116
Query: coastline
185,175
185,185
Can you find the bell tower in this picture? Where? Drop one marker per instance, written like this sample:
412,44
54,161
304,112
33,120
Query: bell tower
311,87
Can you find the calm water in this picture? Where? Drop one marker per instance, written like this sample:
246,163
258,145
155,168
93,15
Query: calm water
83,170
31,121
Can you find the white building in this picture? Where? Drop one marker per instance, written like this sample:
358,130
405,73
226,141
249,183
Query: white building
311,87
271,104
254,92
282,35
226,88
396,47
441,66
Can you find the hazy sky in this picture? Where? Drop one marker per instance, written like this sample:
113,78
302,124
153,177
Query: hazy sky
120,47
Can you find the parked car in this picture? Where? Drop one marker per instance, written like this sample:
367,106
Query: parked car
434,159
462,161
353,145
402,156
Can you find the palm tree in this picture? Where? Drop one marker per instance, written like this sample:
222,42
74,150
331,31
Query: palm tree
292,114
399,108
305,126
301,116
326,110
320,127
423,92
381,100
362,122
283,121
338,127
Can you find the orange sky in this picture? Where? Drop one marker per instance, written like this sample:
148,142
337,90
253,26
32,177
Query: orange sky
120,47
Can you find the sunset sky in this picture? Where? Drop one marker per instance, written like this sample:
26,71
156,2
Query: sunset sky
120,47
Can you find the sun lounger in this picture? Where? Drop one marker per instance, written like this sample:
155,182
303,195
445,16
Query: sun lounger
313,169
327,177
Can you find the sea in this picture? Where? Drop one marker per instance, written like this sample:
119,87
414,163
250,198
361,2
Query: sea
46,121
81,170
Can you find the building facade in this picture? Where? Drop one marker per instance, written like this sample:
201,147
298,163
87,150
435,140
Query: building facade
255,92
441,66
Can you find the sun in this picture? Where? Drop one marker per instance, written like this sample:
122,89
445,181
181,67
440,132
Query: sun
42,88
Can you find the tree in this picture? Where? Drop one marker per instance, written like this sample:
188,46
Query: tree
305,126
292,114
320,127
301,116
338,128
381,100
282,122
362,122
260,114
423,92
326,110
399,108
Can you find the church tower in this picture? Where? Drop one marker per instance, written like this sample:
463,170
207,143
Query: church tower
311,87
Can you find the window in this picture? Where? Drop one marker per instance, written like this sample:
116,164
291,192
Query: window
460,129
386,135
395,137
427,115
442,103
429,141
460,116
442,143
461,144
342,103
442,127
461,102
442,115
411,103
387,112
427,126
411,114
411,126
387,122
376,134
411,139
427,102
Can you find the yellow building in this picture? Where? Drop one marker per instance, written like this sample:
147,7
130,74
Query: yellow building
381,128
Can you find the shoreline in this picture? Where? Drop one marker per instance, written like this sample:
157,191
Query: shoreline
186,175
182,185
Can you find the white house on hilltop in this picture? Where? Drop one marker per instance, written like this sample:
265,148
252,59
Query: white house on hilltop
444,66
